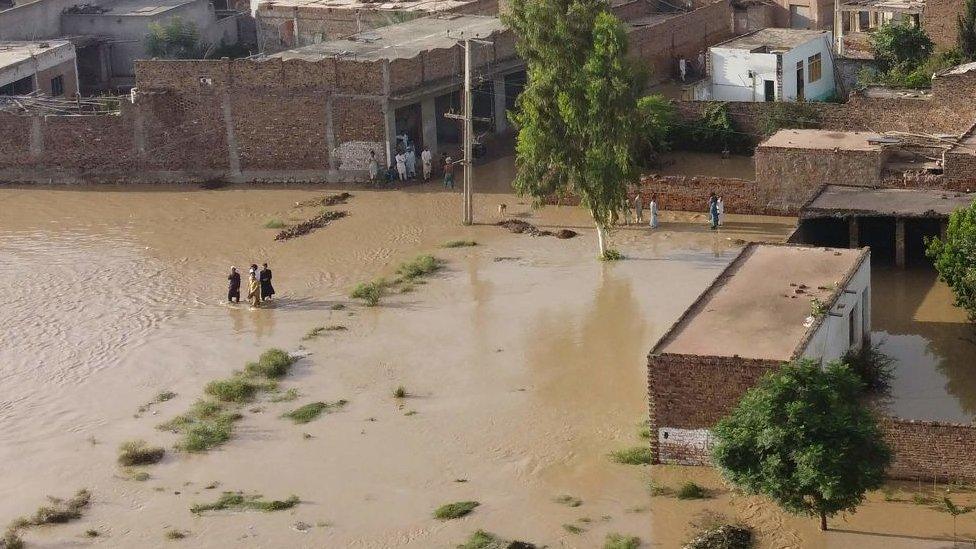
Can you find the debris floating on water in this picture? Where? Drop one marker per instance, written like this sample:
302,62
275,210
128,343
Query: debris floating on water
518,226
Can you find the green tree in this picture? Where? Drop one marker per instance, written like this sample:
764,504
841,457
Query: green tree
900,45
967,30
576,116
803,438
955,257
174,39
656,118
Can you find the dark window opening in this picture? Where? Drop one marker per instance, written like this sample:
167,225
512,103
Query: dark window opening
769,90
18,87
57,86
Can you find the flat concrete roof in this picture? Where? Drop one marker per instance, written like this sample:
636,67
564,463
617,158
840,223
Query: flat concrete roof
823,140
899,6
425,6
959,69
757,308
401,41
136,8
846,201
772,39
15,53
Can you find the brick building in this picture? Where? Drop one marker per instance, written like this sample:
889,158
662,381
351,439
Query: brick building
48,67
856,18
757,314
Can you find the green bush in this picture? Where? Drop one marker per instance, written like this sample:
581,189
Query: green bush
370,292
237,500
455,510
690,490
712,131
313,410
954,257
233,389
137,452
788,115
272,364
419,266
619,541
726,536
638,455
898,44
875,368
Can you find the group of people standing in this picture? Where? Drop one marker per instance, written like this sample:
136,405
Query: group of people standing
404,166
259,286
639,210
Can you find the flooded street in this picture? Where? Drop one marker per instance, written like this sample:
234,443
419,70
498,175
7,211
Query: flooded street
524,361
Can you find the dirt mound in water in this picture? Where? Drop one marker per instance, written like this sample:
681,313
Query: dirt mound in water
309,225
330,200
518,226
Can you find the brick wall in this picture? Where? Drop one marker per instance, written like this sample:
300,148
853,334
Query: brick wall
939,21
658,46
690,194
929,449
960,169
689,394
14,141
788,178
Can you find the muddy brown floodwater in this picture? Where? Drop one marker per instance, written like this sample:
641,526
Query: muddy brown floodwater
524,360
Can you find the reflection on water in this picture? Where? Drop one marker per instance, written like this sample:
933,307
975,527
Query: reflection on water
933,345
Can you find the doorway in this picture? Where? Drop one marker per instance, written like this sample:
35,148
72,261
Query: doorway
769,90
799,81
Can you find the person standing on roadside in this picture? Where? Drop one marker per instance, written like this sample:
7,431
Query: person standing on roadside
638,209
427,160
234,286
448,172
653,208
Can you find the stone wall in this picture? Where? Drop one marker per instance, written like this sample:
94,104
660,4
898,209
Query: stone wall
960,169
787,178
690,194
689,394
659,45
939,21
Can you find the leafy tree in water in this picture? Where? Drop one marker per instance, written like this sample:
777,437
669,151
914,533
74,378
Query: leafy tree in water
803,438
900,45
967,30
577,114
955,257
174,39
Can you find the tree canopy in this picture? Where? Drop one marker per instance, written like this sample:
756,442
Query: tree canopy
955,257
802,438
577,115
174,39
967,30
900,45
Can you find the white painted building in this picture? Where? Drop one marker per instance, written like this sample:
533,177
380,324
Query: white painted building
49,67
773,65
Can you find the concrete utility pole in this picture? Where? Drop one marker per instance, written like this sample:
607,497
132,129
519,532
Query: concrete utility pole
467,142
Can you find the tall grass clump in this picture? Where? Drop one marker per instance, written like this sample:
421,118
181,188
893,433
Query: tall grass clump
455,510
419,266
238,501
272,364
690,490
313,410
206,425
486,540
59,511
618,541
137,452
274,223
459,244
233,389
638,455
370,292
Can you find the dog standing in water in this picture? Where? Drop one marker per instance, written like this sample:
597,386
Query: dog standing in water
501,209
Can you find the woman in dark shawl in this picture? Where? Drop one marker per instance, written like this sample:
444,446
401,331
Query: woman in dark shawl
267,290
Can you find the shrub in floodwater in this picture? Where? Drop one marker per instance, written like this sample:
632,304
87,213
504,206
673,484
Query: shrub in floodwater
237,500
455,510
233,389
287,396
137,452
141,476
313,410
566,499
459,244
638,455
274,223
875,368
400,392
419,266
726,536
206,425
175,534
11,540
272,364
313,333
618,541
337,307
644,430
165,395
690,490
486,540
59,512
573,529
92,533
611,255
370,292
658,490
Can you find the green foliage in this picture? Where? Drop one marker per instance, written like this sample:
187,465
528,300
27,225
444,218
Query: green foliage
137,452
638,455
459,244
274,223
233,389
576,116
272,364
818,308
400,392
205,426
370,292
175,534
58,512
656,118
618,541
422,265
726,536
874,368
487,540
237,500
789,115
573,529
909,75
690,490
803,438
900,45
966,22
11,540
313,410
712,131
955,257
611,254
174,39
455,510
566,499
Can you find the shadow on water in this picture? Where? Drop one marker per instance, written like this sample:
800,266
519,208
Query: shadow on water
916,324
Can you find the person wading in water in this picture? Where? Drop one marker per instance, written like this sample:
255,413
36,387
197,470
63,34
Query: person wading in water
267,290
234,286
253,287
